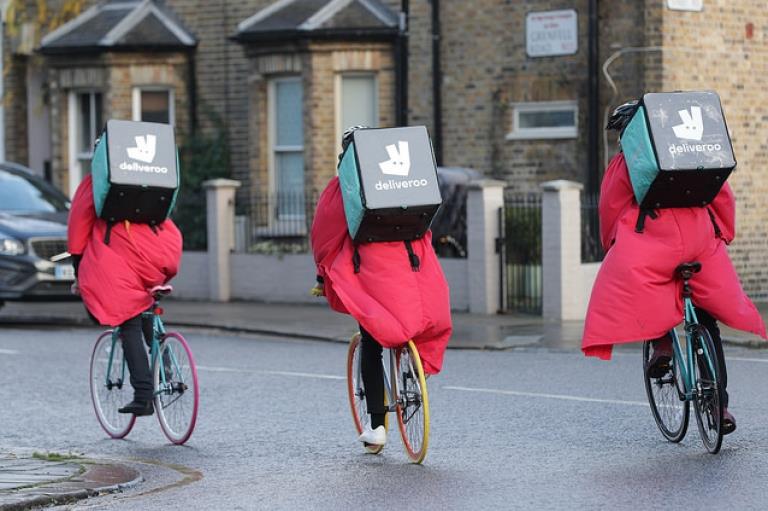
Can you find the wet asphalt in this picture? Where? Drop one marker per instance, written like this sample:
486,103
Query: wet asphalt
529,428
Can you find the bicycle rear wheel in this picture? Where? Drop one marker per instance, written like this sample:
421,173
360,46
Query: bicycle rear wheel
412,403
110,388
356,393
708,401
177,398
666,397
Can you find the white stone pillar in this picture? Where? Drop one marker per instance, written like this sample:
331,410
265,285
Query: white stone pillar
561,250
484,200
220,201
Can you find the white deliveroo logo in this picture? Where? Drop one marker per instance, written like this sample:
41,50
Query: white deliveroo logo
145,150
399,163
692,127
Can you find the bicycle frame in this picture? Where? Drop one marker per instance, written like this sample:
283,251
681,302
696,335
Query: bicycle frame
687,362
158,332
390,379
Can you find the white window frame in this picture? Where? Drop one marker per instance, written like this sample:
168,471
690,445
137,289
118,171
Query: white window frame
75,169
519,133
136,103
337,99
271,138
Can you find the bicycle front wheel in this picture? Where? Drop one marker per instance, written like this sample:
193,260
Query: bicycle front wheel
412,403
708,394
666,397
177,394
110,388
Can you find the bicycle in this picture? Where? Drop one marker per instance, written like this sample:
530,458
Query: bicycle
405,393
693,376
176,395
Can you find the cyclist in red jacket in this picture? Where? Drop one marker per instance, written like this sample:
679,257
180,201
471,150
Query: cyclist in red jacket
114,273
636,295
378,284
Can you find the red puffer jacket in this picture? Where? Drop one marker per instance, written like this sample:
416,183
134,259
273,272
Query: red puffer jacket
390,300
636,295
114,278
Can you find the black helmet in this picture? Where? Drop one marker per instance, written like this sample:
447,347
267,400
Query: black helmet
621,116
346,138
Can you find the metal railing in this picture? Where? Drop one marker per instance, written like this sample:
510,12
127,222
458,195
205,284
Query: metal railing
520,253
281,223
276,223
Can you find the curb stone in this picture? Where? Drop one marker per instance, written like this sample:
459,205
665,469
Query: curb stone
96,478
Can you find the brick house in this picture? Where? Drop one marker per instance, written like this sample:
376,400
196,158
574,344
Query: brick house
513,89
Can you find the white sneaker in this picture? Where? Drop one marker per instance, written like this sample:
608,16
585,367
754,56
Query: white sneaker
376,436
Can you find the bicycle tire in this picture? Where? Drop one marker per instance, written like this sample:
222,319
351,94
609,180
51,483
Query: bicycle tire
412,403
179,424
356,393
106,399
669,408
708,400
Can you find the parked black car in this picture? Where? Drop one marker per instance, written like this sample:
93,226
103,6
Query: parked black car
33,237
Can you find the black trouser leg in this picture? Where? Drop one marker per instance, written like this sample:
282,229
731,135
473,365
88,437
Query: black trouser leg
136,357
147,326
373,377
710,324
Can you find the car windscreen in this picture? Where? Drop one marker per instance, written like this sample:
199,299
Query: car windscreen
25,195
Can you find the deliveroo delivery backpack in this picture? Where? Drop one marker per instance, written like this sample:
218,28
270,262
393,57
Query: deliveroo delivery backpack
677,149
135,173
389,185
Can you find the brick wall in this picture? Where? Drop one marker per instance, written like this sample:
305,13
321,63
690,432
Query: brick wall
485,68
222,72
722,58
15,103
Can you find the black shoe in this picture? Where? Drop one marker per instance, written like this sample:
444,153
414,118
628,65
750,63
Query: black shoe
660,362
138,408
729,422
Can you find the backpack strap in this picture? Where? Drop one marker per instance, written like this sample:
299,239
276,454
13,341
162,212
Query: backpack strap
718,232
356,260
108,234
641,216
412,257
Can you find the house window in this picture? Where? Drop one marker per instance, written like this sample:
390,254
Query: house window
286,138
153,104
85,124
357,101
541,120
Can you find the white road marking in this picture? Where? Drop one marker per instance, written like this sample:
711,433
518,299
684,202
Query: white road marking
8,352
548,396
744,359
215,369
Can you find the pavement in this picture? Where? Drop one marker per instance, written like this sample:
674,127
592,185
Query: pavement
34,479
318,322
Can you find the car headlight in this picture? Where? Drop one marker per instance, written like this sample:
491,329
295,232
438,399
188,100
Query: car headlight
10,246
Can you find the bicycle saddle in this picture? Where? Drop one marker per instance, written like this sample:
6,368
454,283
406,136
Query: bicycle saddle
161,291
686,270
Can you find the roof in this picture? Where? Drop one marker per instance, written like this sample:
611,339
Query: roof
291,19
120,25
